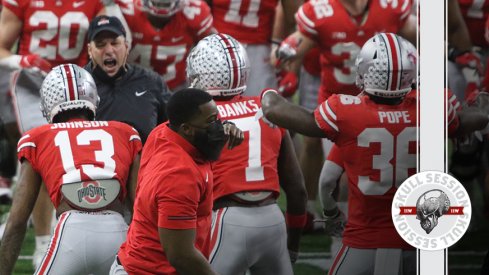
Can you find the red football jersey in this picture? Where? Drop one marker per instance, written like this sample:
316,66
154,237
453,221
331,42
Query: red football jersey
249,21
311,63
475,13
55,30
340,37
251,166
378,147
174,192
165,50
334,155
78,150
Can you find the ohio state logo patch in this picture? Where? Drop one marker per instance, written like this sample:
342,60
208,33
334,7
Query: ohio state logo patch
431,210
91,192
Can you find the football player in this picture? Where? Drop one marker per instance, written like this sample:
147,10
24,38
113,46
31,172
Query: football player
89,168
163,33
249,231
50,32
251,23
170,229
339,28
359,126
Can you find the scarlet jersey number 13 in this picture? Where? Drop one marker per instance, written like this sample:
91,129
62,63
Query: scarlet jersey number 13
72,174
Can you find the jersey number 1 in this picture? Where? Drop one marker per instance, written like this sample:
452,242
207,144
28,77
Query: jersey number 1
254,170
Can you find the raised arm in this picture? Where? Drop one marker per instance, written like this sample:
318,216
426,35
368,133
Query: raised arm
288,115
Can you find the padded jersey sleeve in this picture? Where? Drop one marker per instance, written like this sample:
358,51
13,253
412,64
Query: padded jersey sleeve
199,18
27,148
326,115
402,12
17,7
308,16
132,136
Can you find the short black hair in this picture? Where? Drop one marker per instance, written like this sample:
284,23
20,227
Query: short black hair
184,105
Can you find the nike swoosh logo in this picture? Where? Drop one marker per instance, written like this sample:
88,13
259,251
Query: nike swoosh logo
78,4
176,39
141,93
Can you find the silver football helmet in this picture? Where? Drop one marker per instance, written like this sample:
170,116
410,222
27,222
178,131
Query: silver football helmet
67,87
160,8
386,66
219,65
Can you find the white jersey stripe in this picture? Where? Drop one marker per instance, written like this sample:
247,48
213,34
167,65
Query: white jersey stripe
325,117
206,26
300,21
22,138
330,112
27,144
304,18
133,137
206,21
12,2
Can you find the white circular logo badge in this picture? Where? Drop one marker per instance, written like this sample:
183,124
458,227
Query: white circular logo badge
431,210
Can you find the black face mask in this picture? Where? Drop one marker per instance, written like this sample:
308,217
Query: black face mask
210,141
101,75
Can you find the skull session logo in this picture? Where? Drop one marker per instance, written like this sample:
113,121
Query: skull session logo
431,210
428,210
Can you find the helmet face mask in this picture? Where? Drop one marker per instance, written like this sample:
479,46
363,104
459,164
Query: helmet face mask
67,87
219,65
386,66
160,8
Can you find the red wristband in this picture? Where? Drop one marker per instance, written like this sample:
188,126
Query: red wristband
295,221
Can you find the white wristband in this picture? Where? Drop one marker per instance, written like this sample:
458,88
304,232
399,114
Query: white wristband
269,91
11,62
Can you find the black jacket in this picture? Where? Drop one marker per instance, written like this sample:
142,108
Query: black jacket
137,98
